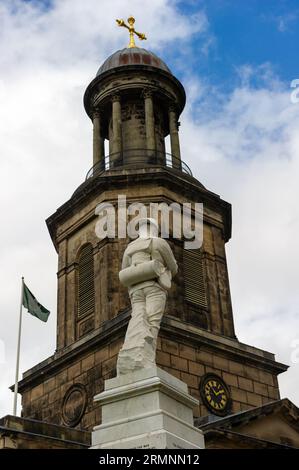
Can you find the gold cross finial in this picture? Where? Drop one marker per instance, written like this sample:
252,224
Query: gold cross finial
132,30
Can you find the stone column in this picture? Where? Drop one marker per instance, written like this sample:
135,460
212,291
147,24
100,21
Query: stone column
149,121
174,137
98,141
116,125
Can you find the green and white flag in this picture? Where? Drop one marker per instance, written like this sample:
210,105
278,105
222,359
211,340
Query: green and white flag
33,306
37,310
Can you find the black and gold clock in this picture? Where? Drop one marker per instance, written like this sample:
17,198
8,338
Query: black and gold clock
215,394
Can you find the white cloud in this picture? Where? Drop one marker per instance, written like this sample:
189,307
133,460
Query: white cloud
246,151
284,21
47,59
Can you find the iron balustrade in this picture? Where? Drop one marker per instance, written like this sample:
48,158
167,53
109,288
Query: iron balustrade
137,158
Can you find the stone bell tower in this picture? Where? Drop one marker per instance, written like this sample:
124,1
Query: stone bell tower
134,103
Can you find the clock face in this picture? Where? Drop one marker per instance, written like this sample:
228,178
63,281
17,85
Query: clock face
215,394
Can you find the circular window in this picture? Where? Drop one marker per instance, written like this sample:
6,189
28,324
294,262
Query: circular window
74,404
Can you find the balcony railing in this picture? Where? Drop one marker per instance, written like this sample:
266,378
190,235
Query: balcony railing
136,158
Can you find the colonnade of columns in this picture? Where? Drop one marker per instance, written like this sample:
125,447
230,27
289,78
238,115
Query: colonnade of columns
116,144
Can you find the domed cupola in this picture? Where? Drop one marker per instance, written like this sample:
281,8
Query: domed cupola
132,56
134,102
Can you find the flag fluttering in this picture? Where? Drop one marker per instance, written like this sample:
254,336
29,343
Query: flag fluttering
37,310
33,306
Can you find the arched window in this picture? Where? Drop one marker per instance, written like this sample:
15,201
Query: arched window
195,290
85,281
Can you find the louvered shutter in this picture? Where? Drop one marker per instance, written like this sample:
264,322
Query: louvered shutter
86,281
195,291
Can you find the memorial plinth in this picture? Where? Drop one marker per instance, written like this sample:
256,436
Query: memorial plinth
147,409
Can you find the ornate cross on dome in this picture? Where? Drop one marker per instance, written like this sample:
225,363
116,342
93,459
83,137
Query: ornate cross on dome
132,30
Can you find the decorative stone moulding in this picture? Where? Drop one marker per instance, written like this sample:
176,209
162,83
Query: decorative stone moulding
74,404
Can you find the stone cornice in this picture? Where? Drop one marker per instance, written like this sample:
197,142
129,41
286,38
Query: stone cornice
179,182
19,427
119,72
221,344
172,327
284,406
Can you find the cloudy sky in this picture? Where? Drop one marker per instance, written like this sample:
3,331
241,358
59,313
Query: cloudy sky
239,134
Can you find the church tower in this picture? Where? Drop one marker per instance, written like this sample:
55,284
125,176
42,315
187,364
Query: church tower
134,104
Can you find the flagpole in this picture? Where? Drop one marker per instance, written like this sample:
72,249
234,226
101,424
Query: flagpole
18,353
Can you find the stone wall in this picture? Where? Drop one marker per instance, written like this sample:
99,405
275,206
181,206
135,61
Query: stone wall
249,386
62,390
46,401
111,297
20,433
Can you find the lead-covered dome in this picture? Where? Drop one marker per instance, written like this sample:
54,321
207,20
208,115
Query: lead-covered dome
132,56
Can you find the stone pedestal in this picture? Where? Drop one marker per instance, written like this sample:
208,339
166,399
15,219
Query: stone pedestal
147,409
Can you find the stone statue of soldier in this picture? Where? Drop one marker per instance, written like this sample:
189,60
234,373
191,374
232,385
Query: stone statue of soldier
148,267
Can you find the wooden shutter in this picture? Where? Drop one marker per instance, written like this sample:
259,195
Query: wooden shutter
86,281
195,290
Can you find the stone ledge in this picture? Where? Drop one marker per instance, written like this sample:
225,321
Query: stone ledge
180,331
36,430
145,381
166,176
170,326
